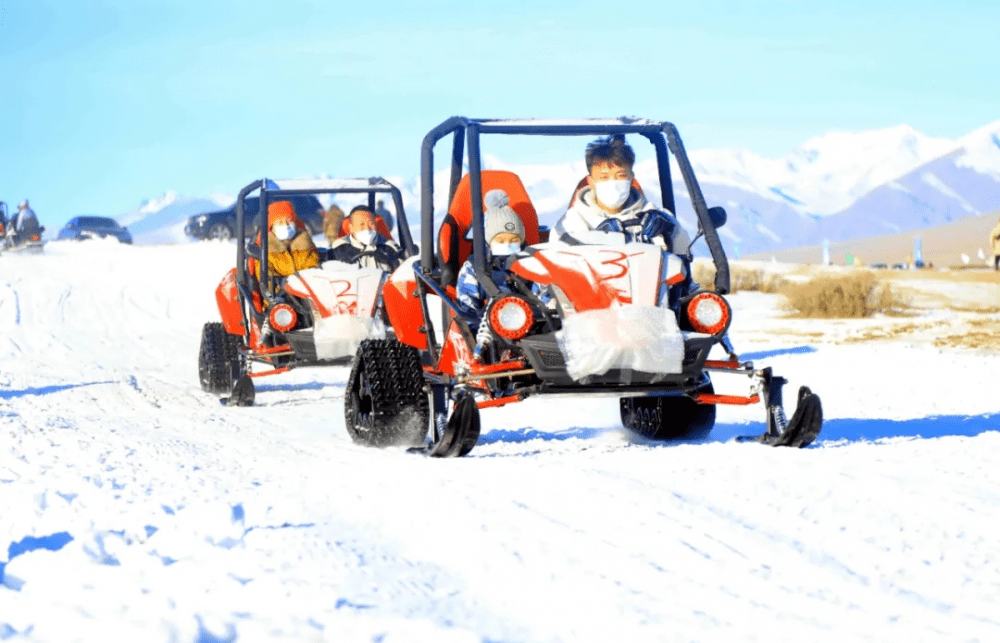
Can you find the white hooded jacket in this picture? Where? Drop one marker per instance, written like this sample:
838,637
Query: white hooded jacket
579,225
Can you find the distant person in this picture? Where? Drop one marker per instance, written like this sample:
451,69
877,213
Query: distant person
333,217
995,245
24,224
610,210
364,246
381,211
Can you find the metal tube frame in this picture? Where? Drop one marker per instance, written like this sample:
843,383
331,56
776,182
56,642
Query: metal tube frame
376,185
663,135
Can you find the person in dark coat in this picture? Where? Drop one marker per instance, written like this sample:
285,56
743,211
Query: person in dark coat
364,246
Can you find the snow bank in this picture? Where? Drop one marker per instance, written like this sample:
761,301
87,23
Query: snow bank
134,506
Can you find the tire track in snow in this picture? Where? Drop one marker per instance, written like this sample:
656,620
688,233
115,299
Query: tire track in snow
16,303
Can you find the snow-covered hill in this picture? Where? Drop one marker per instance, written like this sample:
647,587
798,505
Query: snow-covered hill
837,186
133,506
162,220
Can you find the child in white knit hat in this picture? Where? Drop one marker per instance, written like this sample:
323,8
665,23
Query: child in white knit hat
505,236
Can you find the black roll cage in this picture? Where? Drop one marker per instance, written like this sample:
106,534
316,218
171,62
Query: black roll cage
370,186
466,132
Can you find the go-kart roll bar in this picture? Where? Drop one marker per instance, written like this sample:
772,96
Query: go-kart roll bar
241,258
663,135
269,190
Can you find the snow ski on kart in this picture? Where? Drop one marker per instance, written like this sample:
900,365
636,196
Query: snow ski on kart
623,321
314,317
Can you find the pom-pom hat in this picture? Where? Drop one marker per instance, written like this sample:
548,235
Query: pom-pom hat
500,217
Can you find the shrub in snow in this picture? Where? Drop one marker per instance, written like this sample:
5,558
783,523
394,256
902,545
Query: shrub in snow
853,295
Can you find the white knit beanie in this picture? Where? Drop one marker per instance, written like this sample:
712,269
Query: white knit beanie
500,217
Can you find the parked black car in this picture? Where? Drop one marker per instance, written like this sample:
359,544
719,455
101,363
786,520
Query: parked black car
91,227
221,224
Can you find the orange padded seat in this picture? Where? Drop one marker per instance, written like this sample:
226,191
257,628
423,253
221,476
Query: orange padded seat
453,247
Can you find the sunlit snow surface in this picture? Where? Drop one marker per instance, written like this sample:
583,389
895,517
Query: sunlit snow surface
133,506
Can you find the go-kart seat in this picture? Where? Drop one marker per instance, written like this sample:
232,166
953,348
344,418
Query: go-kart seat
583,182
453,245
380,225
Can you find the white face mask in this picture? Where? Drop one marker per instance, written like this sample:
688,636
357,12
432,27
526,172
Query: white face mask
284,231
366,237
504,249
613,194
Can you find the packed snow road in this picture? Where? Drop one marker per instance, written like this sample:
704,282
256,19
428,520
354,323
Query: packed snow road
135,506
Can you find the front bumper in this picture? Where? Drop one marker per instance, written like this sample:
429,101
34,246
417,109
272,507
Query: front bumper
545,356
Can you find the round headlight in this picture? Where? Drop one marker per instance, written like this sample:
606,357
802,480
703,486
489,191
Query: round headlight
708,313
511,318
282,318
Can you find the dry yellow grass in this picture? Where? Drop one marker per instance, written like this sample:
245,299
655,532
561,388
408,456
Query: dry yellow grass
961,276
981,333
886,332
740,279
853,296
985,309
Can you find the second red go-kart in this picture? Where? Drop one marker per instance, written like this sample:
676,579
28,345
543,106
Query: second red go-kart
624,321
314,317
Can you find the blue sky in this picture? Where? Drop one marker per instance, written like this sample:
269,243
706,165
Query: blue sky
106,103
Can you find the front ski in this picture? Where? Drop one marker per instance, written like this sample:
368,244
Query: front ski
805,424
243,392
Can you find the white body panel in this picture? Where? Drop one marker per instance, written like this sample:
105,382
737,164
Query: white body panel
343,298
630,272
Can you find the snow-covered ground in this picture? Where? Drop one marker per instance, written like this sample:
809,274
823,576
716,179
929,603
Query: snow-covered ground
133,506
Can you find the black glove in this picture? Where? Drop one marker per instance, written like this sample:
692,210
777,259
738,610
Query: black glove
610,225
656,224
614,225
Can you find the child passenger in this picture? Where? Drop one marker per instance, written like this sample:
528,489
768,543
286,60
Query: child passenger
505,236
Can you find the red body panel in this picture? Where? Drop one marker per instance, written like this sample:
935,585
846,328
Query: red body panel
227,298
403,307
454,351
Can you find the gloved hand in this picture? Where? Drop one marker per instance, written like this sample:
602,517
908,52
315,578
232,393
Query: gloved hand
614,225
655,224
610,225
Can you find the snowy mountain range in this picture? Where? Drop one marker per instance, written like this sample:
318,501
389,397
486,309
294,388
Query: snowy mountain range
837,186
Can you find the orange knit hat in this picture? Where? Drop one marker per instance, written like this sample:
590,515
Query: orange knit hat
282,210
